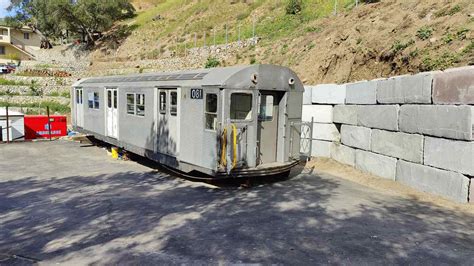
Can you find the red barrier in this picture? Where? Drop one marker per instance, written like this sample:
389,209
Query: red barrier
36,126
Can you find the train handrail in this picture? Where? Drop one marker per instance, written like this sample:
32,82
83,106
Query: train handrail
224,146
234,133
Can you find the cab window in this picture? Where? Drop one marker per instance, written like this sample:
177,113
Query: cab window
241,106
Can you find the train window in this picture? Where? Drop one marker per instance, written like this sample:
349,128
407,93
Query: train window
93,100
241,106
174,103
211,111
109,99
266,108
162,102
140,104
115,99
130,103
96,100
78,96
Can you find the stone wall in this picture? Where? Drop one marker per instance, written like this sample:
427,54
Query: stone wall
414,129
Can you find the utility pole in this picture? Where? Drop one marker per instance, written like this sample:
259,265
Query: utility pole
226,36
204,40
239,34
253,27
214,31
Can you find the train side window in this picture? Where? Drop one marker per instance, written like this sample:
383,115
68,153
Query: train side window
130,103
109,99
174,103
93,100
140,104
96,100
115,99
241,106
78,97
266,108
211,111
162,102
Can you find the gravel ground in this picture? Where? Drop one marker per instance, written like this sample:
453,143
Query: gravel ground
70,203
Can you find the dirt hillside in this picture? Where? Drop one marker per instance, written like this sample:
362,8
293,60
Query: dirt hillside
365,42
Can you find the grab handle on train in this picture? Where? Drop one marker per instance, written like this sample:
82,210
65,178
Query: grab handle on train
223,148
234,146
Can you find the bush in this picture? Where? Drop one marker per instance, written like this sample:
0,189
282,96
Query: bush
11,82
424,33
294,7
212,62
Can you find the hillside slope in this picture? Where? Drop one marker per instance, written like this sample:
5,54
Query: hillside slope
365,42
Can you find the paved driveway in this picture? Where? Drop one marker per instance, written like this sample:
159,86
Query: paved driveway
71,203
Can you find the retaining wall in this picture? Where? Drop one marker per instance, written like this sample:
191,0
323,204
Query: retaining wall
414,129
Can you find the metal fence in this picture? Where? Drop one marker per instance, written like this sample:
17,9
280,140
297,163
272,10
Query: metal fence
223,36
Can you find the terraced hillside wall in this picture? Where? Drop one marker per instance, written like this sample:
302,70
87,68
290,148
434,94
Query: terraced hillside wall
414,129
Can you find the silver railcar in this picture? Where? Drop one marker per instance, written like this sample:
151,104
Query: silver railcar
223,122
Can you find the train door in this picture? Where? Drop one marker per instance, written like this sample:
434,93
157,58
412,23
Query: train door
111,116
167,124
267,130
173,119
79,115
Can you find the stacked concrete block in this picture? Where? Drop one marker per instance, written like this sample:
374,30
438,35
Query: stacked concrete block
328,132
329,94
399,145
405,89
319,113
307,95
451,155
321,148
454,122
454,86
376,164
343,154
364,92
452,185
378,116
345,114
356,137
418,129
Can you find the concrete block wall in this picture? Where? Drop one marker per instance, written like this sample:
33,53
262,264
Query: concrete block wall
415,129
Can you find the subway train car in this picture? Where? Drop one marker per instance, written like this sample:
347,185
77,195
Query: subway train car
238,121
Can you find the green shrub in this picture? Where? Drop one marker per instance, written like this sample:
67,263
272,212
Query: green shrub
448,38
212,62
424,33
66,94
399,46
8,82
448,11
294,7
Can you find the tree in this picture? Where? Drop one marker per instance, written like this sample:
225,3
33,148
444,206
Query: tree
88,18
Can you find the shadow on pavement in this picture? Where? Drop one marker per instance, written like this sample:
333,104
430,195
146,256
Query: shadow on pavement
150,218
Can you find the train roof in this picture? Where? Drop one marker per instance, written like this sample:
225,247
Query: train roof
236,77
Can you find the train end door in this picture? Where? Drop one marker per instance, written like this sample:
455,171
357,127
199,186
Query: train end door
267,128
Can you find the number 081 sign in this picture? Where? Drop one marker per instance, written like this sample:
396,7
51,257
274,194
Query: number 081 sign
196,93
